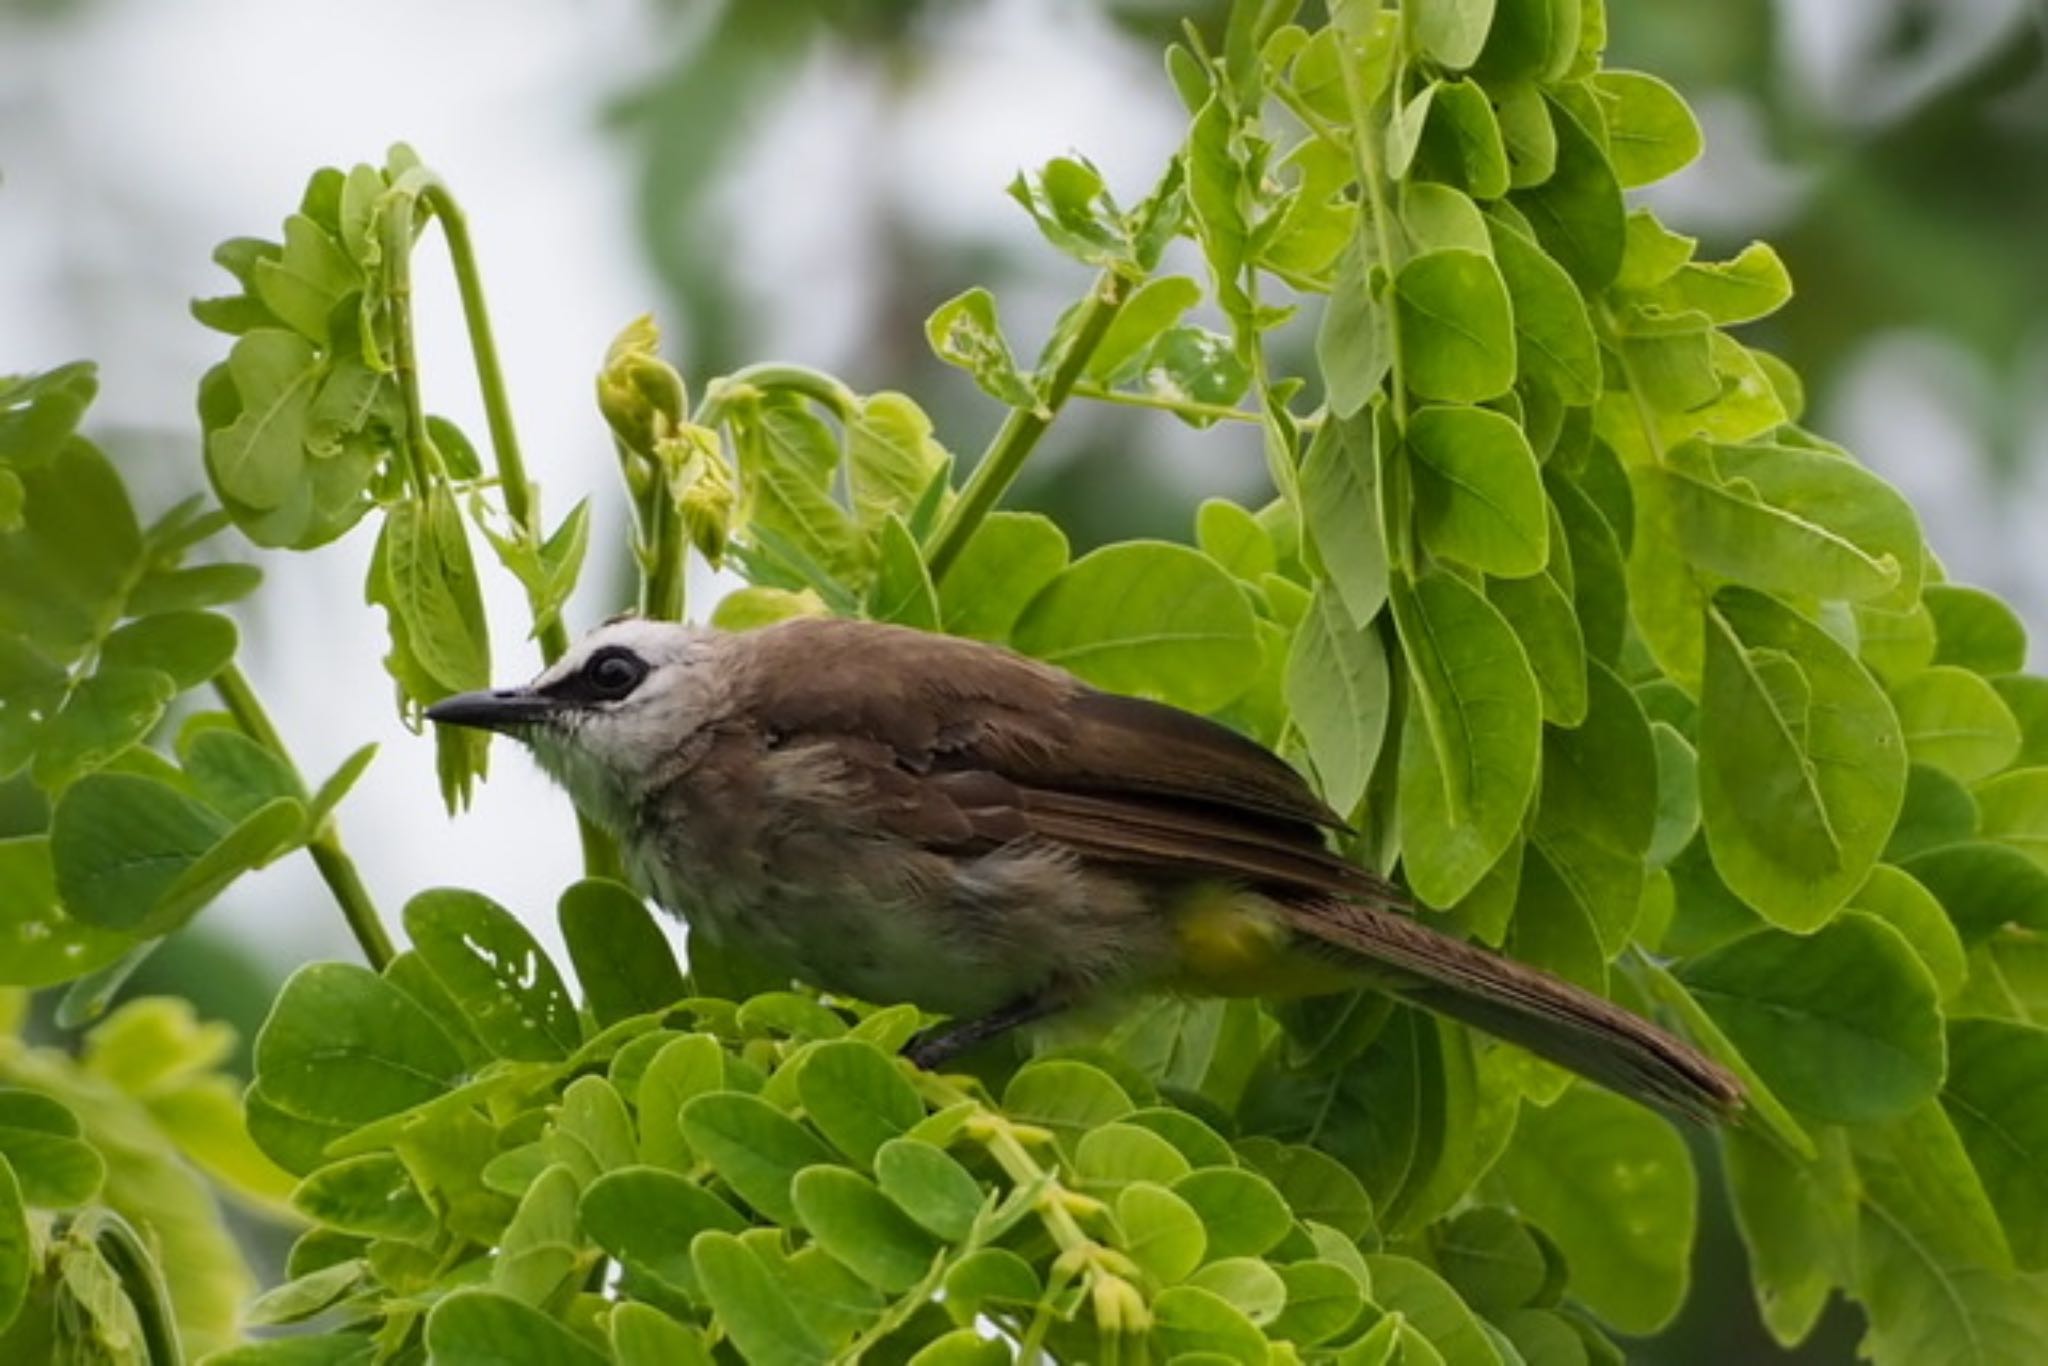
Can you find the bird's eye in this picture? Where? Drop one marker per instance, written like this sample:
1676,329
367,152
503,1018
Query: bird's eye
614,673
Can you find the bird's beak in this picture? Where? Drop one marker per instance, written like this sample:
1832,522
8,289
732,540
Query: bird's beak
500,709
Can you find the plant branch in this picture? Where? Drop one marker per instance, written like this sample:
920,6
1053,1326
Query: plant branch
1014,440
600,856
337,869
1365,143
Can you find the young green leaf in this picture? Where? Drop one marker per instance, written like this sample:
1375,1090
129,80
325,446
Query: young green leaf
1650,132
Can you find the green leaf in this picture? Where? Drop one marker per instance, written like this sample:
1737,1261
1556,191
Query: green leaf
1470,746
63,573
2013,810
46,947
929,1186
497,974
1152,308
1455,326
1554,341
1065,1096
756,1148
1247,1284
1315,1185
902,593
1234,539
1478,492
963,331
862,1229
621,956
1461,142
483,1328
858,1096
1452,31
592,1133
234,774
105,715
1340,509
1843,1023
344,1046
1323,1299
1199,1325
1540,611
17,1247
199,585
1337,695
303,283
1752,285
1577,212
1975,631
1241,1212
646,1218
1405,1287
2027,696
1983,886
1797,1222
642,1335
38,414
1491,1260
1148,618
989,1276
54,1170
1996,1095
259,458
1354,344
1010,557
1162,1233
1117,1154
891,457
371,1196
191,647
1893,896
1932,1268
119,842
1802,768
1650,132
751,1307
1613,1186
1787,521
1954,721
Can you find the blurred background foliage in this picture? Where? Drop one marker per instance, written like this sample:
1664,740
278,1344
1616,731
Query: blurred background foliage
805,179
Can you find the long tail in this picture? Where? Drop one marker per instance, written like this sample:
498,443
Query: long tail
1523,1005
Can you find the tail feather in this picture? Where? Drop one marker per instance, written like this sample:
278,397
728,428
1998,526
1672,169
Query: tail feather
1548,1016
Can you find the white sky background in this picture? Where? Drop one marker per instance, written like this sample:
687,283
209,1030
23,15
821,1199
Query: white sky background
136,135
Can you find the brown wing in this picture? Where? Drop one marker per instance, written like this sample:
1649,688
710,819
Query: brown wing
965,744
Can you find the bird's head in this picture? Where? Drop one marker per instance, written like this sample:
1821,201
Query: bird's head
604,717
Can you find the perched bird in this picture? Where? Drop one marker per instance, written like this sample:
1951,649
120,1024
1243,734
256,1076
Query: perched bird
900,816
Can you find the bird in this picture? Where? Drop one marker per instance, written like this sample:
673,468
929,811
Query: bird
896,815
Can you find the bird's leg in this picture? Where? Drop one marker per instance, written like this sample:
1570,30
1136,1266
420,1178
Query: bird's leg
940,1044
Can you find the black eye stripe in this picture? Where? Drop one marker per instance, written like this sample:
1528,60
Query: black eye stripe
608,675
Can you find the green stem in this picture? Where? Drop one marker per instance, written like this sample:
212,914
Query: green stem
1013,441
600,856
337,869
1219,412
661,588
404,356
751,380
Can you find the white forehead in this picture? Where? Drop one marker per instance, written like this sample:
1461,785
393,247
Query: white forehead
657,642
